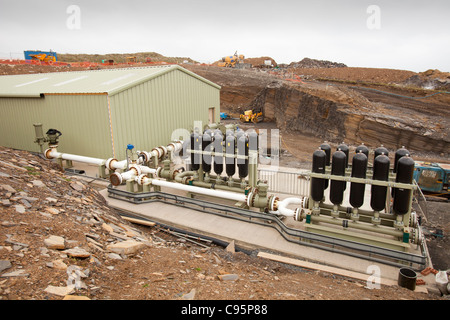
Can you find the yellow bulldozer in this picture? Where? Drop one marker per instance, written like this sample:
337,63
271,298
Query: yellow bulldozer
253,115
230,61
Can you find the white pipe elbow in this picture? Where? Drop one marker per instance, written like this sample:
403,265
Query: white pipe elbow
288,201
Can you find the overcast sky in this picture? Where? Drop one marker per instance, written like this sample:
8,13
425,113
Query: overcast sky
411,35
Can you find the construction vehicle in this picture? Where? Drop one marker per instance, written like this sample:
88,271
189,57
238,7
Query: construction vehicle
43,57
131,60
230,61
254,115
432,177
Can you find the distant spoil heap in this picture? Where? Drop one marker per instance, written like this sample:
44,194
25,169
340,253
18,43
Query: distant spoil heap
313,63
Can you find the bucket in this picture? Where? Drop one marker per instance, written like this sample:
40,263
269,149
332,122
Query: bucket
407,278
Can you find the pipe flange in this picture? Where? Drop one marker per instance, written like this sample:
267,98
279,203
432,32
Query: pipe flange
248,198
298,214
157,150
140,179
174,173
164,151
146,155
273,203
109,162
158,171
137,170
116,179
47,153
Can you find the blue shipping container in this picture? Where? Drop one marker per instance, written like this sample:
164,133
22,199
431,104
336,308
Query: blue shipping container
28,54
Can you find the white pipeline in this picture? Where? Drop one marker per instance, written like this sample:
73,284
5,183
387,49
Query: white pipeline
53,153
285,202
207,192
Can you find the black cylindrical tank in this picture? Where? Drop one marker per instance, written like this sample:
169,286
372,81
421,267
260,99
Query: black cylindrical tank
344,148
380,150
195,158
326,147
362,148
242,146
318,166
206,146
253,141
230,160
218,149
402,197
380,172
359,168
398,154
337,187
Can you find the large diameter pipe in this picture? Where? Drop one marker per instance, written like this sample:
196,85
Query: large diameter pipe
53,153
281,205
207,192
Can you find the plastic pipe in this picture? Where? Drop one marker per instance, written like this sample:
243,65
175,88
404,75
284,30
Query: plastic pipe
53,153
285,202
208,192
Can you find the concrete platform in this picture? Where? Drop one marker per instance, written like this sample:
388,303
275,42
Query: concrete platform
246,235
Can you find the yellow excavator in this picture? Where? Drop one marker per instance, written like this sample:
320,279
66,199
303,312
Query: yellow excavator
43,57
230,61
254,115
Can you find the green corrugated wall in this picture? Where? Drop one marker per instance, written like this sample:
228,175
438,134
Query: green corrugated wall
146,115
82,119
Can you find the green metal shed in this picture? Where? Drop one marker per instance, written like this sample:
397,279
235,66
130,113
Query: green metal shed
100,112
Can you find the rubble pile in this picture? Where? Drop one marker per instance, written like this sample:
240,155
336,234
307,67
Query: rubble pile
313,63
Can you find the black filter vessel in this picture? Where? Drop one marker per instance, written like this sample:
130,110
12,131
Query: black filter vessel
242,146
362,148
206,146
399,154
344,148
380,150
405,171
359,168
218,148
318,166
195,158
230,161
337,187
380,172
326,147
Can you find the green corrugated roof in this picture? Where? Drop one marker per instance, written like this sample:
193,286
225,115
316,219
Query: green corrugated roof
107,81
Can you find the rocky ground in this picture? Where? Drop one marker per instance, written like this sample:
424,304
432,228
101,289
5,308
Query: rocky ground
59,240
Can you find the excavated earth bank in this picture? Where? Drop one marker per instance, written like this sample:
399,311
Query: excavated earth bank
338,111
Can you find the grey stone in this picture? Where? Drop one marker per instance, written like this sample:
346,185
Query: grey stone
38,183
8,188
19,208
5,264
17,273
5,175
189,296
6,202
228,277
114,256
26,203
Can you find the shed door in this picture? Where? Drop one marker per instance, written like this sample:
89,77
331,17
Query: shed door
211,115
